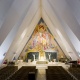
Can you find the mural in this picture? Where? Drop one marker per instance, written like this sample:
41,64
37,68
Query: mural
40,40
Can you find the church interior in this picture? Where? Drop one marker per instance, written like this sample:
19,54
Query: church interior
39,39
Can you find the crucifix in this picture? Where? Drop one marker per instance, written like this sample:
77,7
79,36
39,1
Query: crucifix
49,56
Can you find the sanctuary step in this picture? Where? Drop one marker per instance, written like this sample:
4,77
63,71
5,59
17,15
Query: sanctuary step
41,67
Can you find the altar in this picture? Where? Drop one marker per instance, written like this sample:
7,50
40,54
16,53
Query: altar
42,62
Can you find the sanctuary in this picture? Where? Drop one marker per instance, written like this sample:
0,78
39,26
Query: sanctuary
41,46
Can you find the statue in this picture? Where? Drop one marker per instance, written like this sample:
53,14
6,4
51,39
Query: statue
34,57
49,56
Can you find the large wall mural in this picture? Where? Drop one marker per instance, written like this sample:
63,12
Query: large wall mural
40,41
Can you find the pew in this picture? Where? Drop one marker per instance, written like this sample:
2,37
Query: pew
57,73
75,71
24,73
7,71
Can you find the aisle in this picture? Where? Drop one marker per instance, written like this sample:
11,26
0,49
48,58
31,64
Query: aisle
41,74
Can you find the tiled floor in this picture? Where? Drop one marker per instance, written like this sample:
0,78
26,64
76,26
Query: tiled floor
41,74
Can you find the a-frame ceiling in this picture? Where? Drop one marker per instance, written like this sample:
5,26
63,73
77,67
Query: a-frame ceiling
18,20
